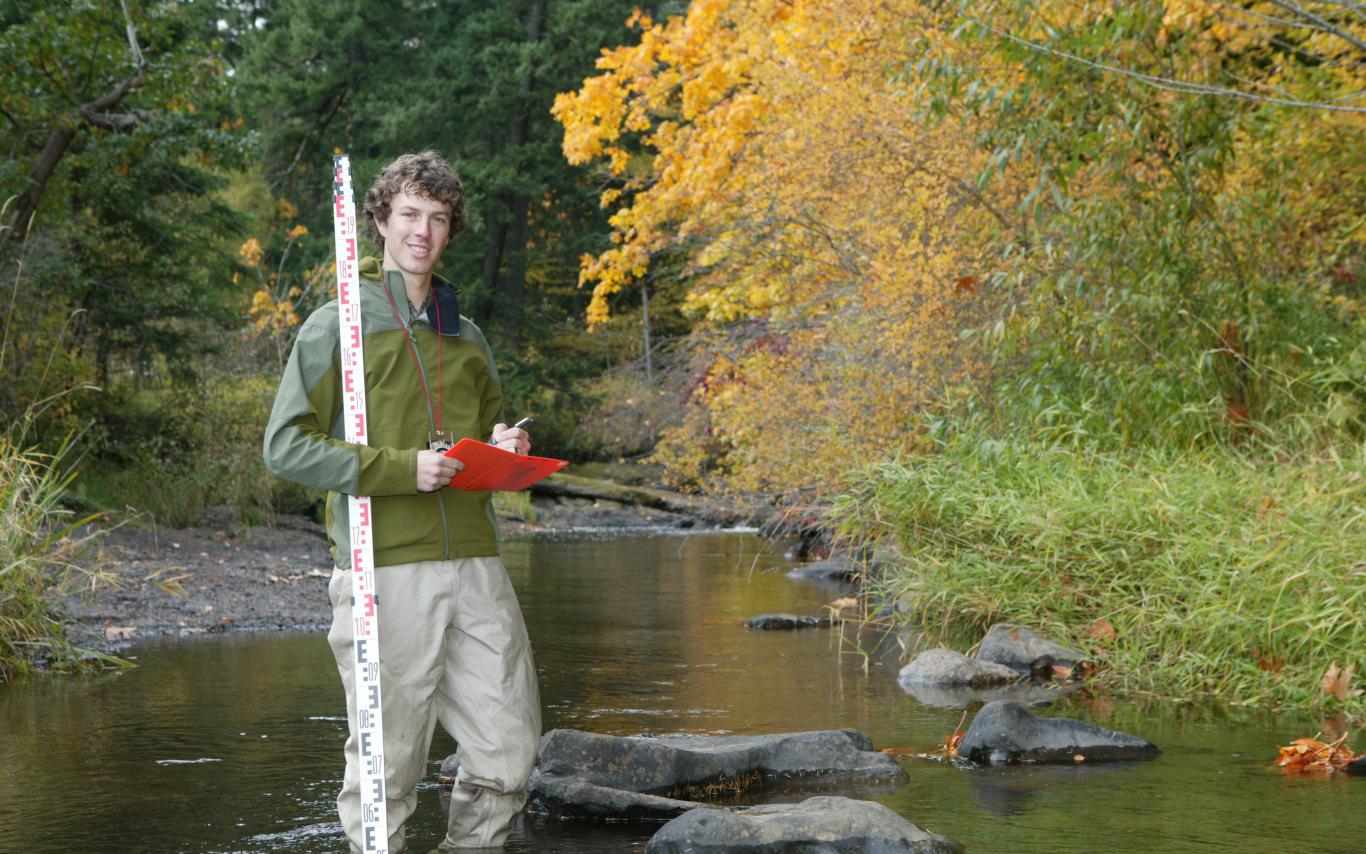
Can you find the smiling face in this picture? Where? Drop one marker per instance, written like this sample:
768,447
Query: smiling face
415,234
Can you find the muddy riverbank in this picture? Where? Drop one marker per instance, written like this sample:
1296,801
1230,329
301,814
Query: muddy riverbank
220,577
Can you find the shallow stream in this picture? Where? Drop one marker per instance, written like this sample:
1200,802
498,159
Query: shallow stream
234,744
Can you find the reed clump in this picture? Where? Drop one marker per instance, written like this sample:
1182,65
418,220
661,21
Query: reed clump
1193,572
39,540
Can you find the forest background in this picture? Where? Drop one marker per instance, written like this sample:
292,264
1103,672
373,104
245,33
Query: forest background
1059,304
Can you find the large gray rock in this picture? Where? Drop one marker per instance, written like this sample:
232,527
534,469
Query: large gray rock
587,774
821,825
946,667
1005,731
1018,647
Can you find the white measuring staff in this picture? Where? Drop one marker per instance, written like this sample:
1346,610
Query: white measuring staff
364,599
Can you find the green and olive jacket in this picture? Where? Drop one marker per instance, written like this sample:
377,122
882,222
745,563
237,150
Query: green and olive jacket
305,439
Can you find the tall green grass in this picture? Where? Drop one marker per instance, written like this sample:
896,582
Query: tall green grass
1220,573
39,540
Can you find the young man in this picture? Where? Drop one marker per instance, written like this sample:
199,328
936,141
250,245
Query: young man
453,645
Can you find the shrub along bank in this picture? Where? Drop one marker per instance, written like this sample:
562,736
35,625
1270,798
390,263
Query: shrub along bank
38,538
1196,572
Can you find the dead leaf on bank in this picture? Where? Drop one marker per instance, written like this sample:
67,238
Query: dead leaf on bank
1102,630
1268,663
318,573
119,632
1338,682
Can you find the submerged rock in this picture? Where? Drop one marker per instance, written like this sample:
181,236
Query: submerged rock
1005,731
1018,648
839,568
963,696
779,622
571,796
587,774
828,825
946,667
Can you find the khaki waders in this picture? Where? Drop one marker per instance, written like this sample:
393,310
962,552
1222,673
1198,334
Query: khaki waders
453,649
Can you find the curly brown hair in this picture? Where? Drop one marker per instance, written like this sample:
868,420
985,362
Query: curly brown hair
426,174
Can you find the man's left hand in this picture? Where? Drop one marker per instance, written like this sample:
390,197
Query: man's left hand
513,439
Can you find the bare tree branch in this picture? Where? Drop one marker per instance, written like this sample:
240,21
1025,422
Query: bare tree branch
1171,85
117,121
1322,23
132,36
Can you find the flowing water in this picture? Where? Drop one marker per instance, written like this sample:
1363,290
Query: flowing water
234,745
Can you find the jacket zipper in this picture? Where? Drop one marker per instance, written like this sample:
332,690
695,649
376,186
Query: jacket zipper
431,419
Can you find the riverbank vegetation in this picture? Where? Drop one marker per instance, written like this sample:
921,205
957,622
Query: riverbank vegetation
1082,282
39,542
883,256
1185,572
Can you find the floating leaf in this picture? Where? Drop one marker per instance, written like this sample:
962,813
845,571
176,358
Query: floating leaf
1310,754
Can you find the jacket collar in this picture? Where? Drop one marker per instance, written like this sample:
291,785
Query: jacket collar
445,297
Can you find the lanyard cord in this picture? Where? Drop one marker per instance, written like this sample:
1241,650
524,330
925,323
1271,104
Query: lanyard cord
412,350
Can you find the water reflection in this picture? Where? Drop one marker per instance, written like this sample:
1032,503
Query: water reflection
630,635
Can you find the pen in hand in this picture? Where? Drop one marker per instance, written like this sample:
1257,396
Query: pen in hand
525,422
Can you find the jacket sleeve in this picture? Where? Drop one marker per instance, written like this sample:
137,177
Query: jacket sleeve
301,441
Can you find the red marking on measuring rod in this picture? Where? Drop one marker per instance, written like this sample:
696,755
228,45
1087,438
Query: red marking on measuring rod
369,710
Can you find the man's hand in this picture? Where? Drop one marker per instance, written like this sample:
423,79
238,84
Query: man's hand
435,470
513,439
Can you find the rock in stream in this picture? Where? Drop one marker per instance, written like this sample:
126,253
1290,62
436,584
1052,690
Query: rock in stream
946,667
592,775
1018,647
1006,732
820,825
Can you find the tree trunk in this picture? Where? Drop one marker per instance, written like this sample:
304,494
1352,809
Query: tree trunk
57,143
512,281
645,332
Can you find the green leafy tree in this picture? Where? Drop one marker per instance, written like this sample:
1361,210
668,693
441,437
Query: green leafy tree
115,116
475,81
1184,261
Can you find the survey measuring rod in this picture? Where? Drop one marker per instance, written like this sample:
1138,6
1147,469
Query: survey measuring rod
364,600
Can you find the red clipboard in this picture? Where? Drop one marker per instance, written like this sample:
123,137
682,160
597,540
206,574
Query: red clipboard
490,467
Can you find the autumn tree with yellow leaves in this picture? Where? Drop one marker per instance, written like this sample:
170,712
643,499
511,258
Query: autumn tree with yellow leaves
831,234
1121,224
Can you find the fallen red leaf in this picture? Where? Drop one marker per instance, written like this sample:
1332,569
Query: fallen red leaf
1268,662
951,743
1310,754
